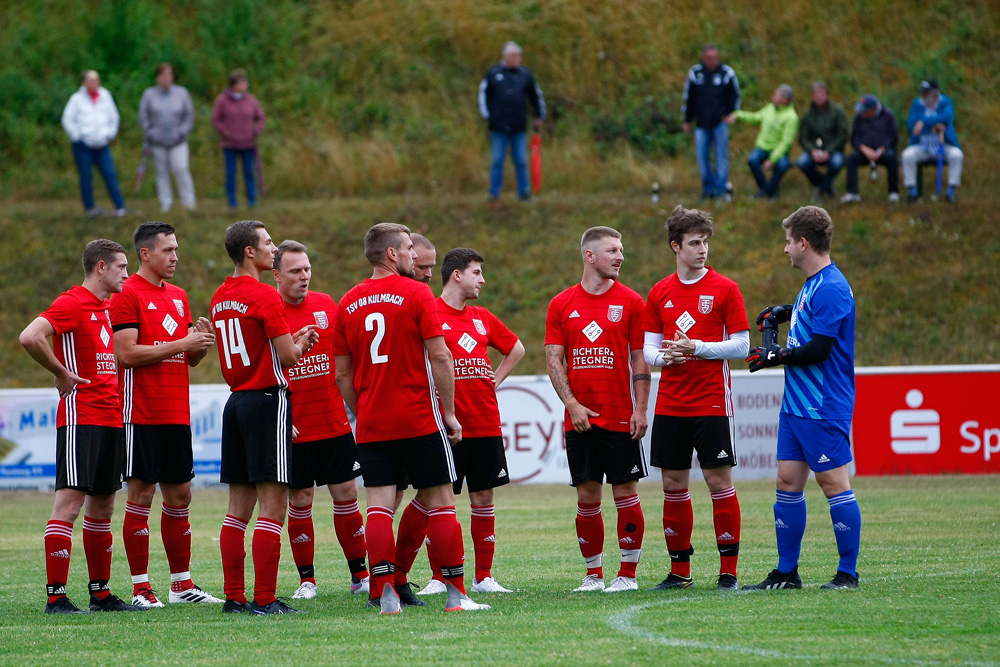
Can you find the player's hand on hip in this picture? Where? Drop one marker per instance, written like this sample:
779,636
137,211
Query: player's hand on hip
775,315
580,416
65,384
454,429
638,424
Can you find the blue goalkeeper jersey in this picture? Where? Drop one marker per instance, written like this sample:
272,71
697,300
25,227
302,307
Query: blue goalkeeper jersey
825,306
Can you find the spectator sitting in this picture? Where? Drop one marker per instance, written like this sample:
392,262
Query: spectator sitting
932,116
874,136
778,126
822,136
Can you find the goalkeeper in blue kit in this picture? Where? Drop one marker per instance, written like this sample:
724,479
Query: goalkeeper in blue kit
815,419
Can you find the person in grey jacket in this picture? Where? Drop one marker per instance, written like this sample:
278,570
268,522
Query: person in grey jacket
167,118
91,120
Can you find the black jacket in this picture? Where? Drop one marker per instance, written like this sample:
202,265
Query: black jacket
504,94
878,132
708,96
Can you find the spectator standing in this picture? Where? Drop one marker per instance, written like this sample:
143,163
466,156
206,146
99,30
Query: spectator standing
239,118
91,120
823,135
779,125
874,136
504,94
167,118
932,128
711,98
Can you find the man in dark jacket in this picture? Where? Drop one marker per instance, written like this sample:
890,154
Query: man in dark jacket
874,137
822,135
711,98
504,94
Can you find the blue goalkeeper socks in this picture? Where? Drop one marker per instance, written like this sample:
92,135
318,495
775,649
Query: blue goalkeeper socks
846,517
789,526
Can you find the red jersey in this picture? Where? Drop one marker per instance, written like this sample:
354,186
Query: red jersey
709,310
157,393
246,315
599,332
468,333
318,410
382,324
83,343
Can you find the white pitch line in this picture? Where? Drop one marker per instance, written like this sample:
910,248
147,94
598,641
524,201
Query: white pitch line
623,622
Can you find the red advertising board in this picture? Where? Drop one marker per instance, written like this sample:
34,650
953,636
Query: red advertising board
927,422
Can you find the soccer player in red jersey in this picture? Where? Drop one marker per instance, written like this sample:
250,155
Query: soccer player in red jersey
479,457
255,349
156,340
423,265
88,425
593,348
324,450
695,323
391,358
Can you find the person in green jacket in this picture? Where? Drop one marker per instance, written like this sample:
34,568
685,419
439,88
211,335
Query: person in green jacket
822,136
779,125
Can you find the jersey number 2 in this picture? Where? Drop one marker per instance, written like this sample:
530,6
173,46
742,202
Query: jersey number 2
232,341
376,322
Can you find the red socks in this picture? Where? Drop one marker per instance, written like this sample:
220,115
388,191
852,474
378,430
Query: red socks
678,521
231,543
381,548
135,535
726,512
631,526
350,527
444,535
266,549
175,530
58,547
97,544
484,538
302,536
590,533
409,538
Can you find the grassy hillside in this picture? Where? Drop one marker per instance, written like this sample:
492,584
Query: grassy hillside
924,277
378,97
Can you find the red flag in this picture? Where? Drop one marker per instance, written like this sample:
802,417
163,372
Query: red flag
536,163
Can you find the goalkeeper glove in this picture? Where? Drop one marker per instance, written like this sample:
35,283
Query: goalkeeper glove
766,357
774,315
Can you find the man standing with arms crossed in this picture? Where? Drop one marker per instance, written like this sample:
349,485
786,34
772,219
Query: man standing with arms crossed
593,347
155,341
88,424
815,421
695,322
325,453
255,350
391,355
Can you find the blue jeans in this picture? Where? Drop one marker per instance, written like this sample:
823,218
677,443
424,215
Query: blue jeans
713,184
767,187
88,158
822,181
518,142
247,155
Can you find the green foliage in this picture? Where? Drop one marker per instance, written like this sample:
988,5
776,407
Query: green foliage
652,128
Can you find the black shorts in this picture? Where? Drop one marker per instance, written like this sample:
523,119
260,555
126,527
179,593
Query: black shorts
482,462
322,462
676,439
599,453
426,460
89,459
158,453
257,437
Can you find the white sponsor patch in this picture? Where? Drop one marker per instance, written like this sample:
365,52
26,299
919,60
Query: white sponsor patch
593,331
105,336
170,324
685,322
467,342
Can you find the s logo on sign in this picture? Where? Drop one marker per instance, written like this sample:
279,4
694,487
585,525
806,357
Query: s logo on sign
915,431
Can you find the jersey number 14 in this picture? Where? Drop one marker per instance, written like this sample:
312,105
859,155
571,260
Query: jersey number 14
232,341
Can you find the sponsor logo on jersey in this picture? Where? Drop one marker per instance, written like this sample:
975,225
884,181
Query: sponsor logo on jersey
593,331
322,321
467,343
574,314
105,336
170,324
685,321
179,305
445,327
668,304
480,327
93,318
151,306
705,304
615,313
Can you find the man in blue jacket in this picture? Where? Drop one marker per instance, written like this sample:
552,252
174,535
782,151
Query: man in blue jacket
504,94
932,114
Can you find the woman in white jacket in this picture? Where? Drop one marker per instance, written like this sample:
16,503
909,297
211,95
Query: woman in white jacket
91,121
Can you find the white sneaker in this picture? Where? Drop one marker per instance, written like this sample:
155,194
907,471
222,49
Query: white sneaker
458,601
360,586
619,584
146,599
305,591
488,585
591,583
893,197
193,595
433,587
849,198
